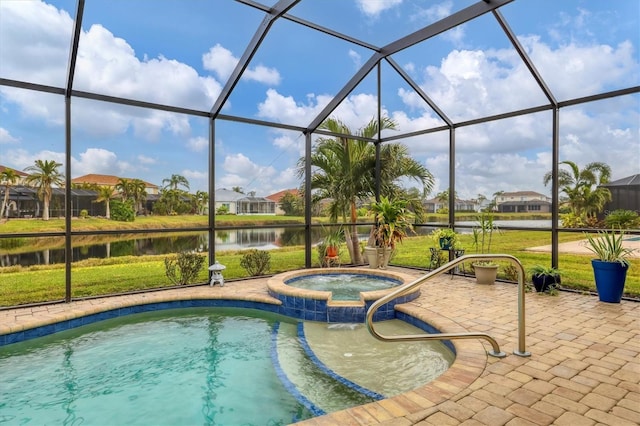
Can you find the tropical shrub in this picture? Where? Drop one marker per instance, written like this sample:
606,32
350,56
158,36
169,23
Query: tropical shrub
256,262
184,268
572,220
622,219
122,212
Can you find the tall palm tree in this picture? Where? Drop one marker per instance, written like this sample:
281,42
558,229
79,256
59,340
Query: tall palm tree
105,195
481,198
138,190
44,175
123,186
174,181
494,201
8,178
344,172
582,187
201,199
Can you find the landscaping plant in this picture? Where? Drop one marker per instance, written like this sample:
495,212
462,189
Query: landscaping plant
256,262
184,268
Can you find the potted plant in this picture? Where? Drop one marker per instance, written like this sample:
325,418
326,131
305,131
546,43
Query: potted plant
393,221
332,241
611,266
545,278
486,271
445,238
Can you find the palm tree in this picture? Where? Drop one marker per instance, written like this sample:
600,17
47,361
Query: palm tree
481,198
582,187
105,195
494,201
138,190
414,198
8,178
344,172
443,197
174,181
201,198
123,186
44,175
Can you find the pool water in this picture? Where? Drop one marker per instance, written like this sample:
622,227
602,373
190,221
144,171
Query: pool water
162,368
343,286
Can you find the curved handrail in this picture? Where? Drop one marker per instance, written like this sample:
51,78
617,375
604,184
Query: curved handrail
521,351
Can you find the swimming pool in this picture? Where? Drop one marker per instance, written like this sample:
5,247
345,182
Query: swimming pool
186,366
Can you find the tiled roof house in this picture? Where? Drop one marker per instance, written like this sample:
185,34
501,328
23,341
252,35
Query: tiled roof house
21,175
278,196
110,180
523,202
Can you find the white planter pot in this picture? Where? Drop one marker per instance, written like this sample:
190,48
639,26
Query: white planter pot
371,254
384,254
485,274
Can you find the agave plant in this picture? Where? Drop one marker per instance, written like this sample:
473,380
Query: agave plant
607,246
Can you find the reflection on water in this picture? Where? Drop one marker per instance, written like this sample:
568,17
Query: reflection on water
237,239
102,247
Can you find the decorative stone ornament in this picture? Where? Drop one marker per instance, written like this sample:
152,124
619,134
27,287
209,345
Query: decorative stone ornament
216,274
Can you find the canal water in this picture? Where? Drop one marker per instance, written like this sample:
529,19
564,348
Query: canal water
239,239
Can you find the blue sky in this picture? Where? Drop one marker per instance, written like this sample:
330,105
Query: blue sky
182,52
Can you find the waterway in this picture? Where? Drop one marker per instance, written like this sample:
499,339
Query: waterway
138,245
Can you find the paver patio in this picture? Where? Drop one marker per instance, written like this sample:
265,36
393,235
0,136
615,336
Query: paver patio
584,367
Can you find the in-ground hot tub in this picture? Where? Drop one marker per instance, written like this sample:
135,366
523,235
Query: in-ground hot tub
314,303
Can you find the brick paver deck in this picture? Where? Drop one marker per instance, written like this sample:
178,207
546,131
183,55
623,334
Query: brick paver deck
584,367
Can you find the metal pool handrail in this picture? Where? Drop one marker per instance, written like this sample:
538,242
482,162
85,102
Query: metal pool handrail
521,351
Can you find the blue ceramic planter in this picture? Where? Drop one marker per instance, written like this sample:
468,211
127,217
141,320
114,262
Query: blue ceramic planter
446,243
610,278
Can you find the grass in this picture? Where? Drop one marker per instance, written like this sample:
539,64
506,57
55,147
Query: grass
94,277
15,226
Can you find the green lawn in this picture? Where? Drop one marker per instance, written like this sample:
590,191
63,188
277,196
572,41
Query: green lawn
13,226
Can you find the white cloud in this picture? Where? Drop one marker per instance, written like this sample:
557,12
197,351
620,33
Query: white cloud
356,58
287,142
95,160
240,170
5,136
198,144
285,109
198,180
263,74
106,64
35,42
143,159
219,60
437,11
222,62
374,8
575,70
